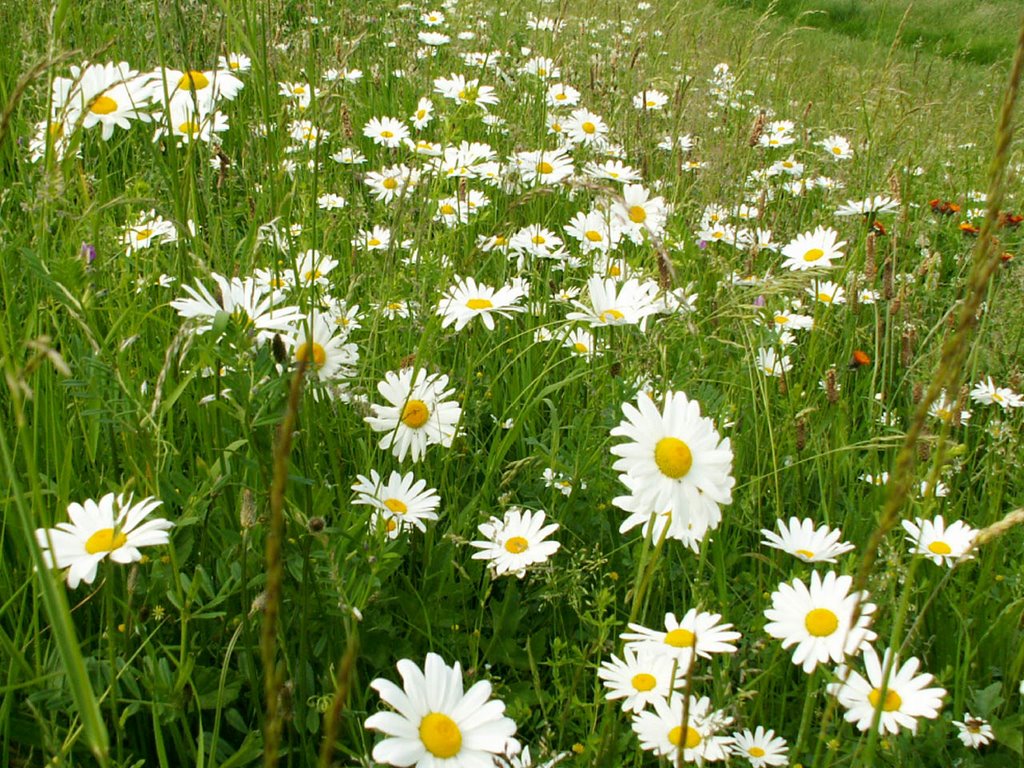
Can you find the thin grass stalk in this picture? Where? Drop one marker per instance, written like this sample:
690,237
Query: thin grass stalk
275,573
954,354
57,611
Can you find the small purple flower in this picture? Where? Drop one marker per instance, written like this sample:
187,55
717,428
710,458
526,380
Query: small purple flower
702,244
759,301
88,252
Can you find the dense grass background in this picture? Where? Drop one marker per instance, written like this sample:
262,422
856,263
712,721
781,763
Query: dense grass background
171,648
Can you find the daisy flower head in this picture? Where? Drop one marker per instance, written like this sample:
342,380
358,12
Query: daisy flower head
581,343
662,731
986,393
688,526
640,677
802,540
907,696
838,147
676,456
818,620
650,99
610,304
586,127
402,501
974,732
462,91
252,305
699,633
771,363
436,722
112,527
386,131
516,542
875,205
323,347
942,544
543,166
418,413
562,95
594,231
760,747
826,292
639,213
813,250
468,299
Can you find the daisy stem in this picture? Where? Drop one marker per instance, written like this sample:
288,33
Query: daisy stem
275,571
54,600
889,662
645,572
805,715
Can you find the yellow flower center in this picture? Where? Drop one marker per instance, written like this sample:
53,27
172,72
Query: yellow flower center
189,127
538,240
142,234
825,297
560,97
387,134
837,150
104,105
940,548
673,457
580,347
755,752
680,638
311,349
637,214
447,209
193,81
588,127
892,699
440,735
614,271
389,183
479,304
299,90
610,314
420,114
593,236
805,553
821,622
415,414
396,505
545,167
517,545
373,241
676,737
813,254
105,540
643,682
56,130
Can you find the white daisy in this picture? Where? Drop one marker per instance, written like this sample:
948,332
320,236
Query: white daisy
676,457
638,678
112,527
664,733
942,544
402,500
698,634
760,747
468,299
802,540
417,415
818,620
516,542
907,697
436,724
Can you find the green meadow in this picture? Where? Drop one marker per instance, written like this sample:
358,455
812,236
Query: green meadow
525,384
